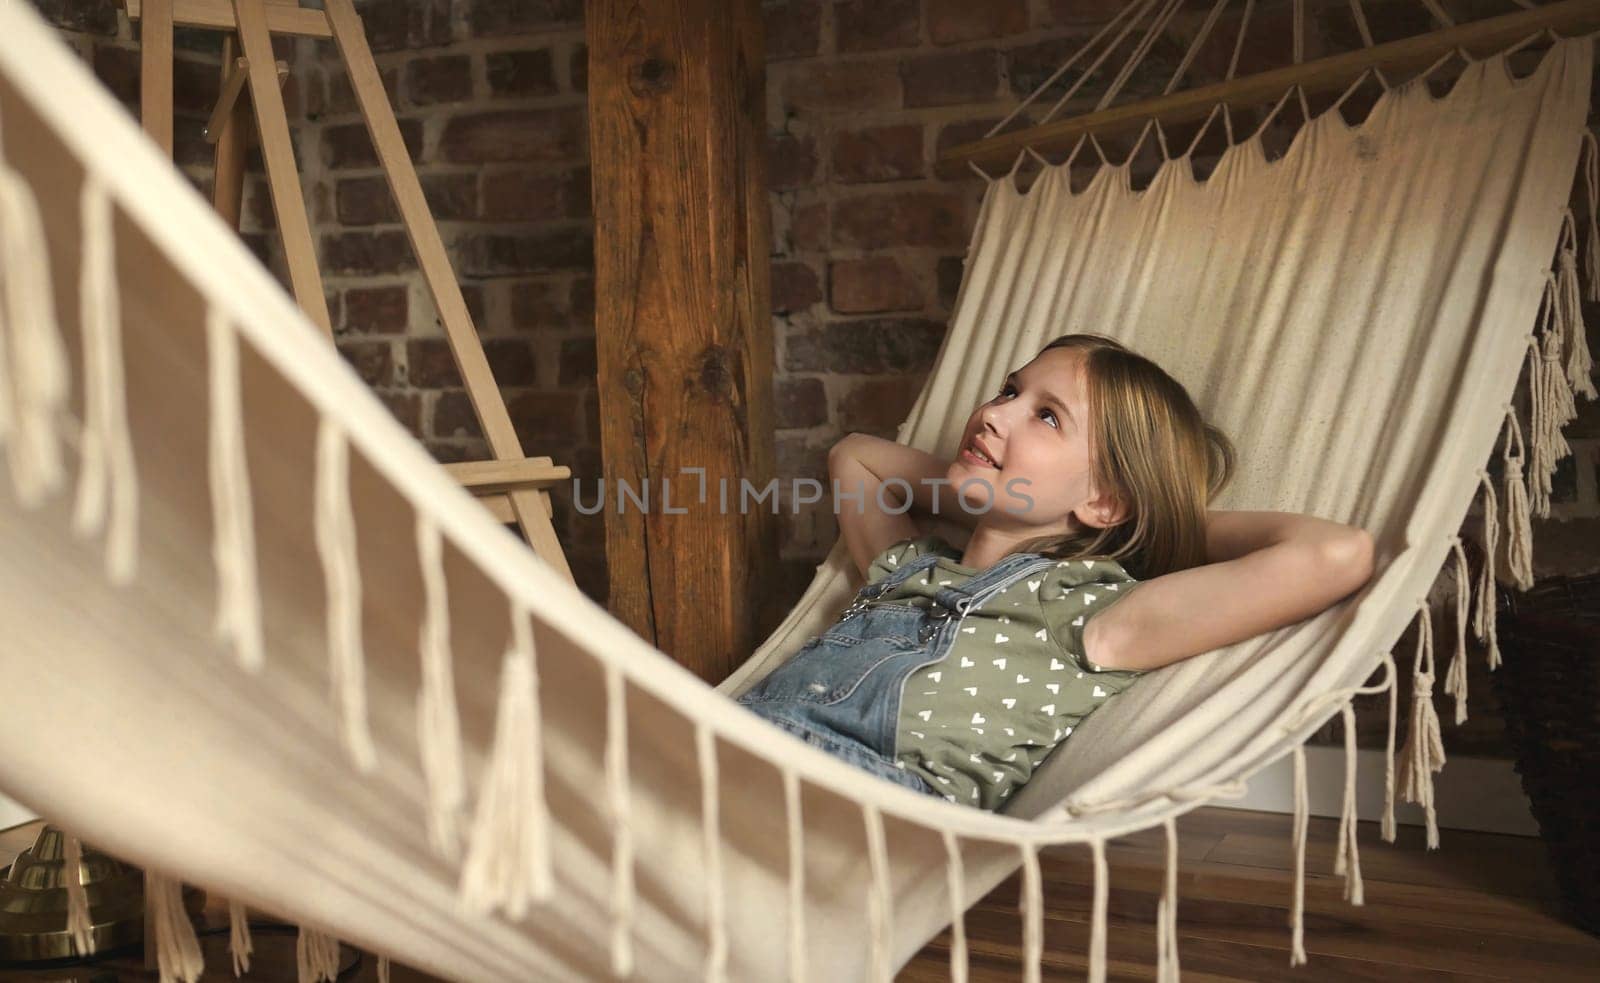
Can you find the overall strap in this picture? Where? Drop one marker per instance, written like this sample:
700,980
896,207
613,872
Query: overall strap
992,581
899,575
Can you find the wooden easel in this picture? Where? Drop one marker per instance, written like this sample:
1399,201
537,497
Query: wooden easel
513,486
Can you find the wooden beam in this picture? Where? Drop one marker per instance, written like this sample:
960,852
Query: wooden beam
437,273
1480,38
288,201
283,16
481,477
677,98
227,173
155,73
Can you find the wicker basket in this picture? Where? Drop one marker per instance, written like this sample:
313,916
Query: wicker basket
1549,686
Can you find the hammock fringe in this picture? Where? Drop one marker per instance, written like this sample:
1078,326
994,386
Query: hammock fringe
240,946
955,879
1347,856
1424,748
1519,535
336,544
1097,929
33,357
316,956
178,954
716,914
1031,907
508,859
1297,949
1167,911
233,543
797,877
438,720
1483,622
619,812
1455,679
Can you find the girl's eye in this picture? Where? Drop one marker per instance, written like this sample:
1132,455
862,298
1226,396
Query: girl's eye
1051,414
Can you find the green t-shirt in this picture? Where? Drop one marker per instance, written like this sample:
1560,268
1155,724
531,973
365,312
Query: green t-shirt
1015,682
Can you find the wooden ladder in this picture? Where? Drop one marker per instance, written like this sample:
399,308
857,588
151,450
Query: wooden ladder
513,486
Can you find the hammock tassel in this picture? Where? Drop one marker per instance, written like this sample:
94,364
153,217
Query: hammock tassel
1580,363
955,882
797,878
1097,924
716,916
177,950
1591,176
1032,911
233,539
1297,951
336,543
508,862
1347,858
1424,749
79,925
108,494
33,359
1455,678
1386,825
1483,623
438,722
1519,535
240,945
316,956
1167,912
383,969
616,766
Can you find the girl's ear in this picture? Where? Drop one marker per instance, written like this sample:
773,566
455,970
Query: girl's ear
1102,511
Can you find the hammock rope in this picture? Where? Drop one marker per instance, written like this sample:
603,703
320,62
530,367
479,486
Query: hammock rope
233,544
336,545
438,720
79,925
240,945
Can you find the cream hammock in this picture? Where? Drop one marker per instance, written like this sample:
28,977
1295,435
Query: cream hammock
262,643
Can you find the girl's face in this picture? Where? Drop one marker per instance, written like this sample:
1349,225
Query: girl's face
1034,434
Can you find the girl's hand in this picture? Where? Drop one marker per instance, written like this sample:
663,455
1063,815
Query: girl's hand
1269,570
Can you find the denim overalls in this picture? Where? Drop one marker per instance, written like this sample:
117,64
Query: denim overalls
842,691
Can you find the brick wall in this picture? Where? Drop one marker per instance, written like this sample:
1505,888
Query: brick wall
867,240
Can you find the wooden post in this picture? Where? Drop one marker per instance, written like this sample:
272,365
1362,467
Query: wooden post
227,176
677,100
155,73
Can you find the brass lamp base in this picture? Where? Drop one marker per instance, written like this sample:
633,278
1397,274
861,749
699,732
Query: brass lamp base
33,902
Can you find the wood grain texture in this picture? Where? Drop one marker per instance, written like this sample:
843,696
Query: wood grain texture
684,334
155,73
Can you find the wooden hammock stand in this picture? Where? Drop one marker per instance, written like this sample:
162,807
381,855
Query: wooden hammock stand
513,486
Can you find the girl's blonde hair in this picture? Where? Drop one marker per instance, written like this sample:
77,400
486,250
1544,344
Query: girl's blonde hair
1151,449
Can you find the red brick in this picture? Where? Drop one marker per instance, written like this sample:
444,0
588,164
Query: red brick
965,131
537,304
1087,12
951,78
444,79
870,346
342,98
92,16
349,146
871,286
954,21
118,70
842,87
878,406
949,273
809,229
578,362
376,310
546,421
430,365
372,360
454,450
365,253
367,201
406,407
531,134
511,360
797,457
800,403
500,18
580,300
453,416
791,161
910,218
520,73
539,250
793,29
415,24
879,153
520,195
578,68
873,25
794,287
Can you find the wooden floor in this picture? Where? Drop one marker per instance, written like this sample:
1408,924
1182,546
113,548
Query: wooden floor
1481,907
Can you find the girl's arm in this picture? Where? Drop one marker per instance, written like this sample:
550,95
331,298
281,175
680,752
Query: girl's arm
1269,569
863,463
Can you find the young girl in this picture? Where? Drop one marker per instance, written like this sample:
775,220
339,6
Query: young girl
1092,560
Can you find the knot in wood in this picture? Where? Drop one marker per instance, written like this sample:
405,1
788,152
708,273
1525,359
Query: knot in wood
715,376
653,75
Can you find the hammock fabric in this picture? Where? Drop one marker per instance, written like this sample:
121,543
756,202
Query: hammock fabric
279,654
